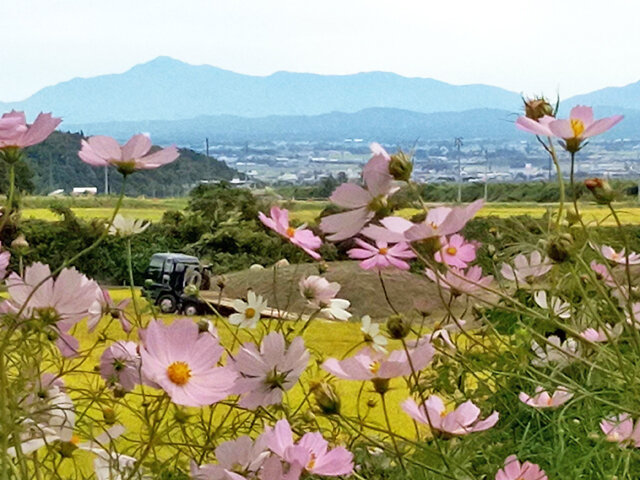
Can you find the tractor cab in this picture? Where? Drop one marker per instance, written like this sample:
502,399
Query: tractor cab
167,276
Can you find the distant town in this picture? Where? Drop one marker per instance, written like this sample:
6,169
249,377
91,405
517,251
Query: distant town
473,160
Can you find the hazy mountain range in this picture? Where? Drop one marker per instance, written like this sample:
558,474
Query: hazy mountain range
175,101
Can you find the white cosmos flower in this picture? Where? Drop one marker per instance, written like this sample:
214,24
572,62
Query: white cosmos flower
336,308
248,312
108,465
372,335
559,307
554,351
126,227
525,270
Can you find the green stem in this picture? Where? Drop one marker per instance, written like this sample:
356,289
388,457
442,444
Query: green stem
393,437
12,187
131,284
574,191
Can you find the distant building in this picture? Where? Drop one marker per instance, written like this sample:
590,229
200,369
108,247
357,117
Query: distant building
88,191
56,193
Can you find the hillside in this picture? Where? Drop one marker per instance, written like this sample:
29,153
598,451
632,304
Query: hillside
167,89
55,164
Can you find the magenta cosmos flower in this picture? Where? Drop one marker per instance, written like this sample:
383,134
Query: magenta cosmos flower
513,470
120,365
62,302
382,255
101,151
543,400
461,421
263,375
574,130
620,429
460,282
456,252
301,237
362,203
603,273
238,459
369,364
183,363
14,131
312,451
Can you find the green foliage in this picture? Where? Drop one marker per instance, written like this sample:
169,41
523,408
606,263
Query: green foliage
55,164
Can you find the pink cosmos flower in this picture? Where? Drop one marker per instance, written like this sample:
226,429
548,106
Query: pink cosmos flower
5,257
391,229
461,282
62,302
101,151
461,421
524,269
456,252
106,306
382,255
311,452
362,202
620,429
543,400
537,127
320,293
238,459
370,364
442,221
603,273
513,470
633,314
14,131
263,375
581,125
301,237
602,334
619,257
120,365
183,363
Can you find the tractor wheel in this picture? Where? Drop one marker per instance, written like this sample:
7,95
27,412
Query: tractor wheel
167,303
191,309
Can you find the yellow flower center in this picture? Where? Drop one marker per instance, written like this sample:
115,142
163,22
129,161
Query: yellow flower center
452,250
312,462
433,225
443,414
179,373
577,126
75,439
383,251
291,232
250,312
374,367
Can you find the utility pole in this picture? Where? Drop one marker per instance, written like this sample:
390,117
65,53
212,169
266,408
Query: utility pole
486,174
206,143
458,144
106,180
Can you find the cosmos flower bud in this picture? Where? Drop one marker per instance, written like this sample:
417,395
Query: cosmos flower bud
535,108
221,282
601,190
20,242
326,398
400,166
109,416
558,247
398,327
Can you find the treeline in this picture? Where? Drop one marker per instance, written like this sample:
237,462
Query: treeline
538,192
54,164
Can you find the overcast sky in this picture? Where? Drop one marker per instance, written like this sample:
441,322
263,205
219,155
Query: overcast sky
541,46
